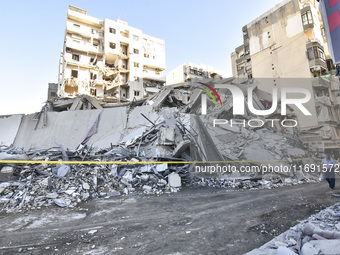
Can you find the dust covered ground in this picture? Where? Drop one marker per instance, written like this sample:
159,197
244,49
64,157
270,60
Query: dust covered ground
193,221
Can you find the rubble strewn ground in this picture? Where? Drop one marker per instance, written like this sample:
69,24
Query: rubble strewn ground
201,220
150,147
319,234
33,186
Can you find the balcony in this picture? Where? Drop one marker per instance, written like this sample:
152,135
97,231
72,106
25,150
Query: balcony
319,82
75,28
316,57
82,45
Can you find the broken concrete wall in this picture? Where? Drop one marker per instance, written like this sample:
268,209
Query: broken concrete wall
69,128
9,126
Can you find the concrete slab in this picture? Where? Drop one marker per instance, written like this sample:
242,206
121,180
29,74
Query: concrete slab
330,247
69,128
9,126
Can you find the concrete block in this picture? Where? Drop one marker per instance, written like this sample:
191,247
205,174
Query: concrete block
330,247
285,251
163,151
167,136
174,180
7,170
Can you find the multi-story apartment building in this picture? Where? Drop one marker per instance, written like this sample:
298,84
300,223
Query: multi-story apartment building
190,71
108,59
289,41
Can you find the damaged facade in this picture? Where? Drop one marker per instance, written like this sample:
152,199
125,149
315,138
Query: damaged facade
294,30
166,128
190,71
108,59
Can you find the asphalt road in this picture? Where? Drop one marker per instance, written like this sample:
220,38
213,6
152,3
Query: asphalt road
194,221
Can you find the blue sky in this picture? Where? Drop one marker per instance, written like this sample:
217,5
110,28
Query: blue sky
194,31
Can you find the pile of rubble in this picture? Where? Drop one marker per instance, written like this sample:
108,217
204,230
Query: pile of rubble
37,185
267,181
319,234
150,148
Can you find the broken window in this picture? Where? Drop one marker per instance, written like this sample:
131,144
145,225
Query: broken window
146,55
112,30
112,45
95,43
74,73
136,51
93,92
75,57
135,37
307,18
136,93
136,64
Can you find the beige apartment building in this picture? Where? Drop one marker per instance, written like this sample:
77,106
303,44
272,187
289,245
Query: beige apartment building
289,42
109,59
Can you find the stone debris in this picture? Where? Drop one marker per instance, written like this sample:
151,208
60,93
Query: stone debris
319,234
149,135
66,185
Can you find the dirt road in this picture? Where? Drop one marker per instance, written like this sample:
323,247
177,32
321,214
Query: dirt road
194,221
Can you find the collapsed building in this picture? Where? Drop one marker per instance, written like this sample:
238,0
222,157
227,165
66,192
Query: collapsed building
153,145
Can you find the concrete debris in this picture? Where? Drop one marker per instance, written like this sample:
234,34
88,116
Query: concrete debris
166,127
174,180
319,234
330,247
66,185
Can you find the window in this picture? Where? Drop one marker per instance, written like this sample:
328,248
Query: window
136,51
307,18
53,94
245,35
74,73
310,54
112,45
112,30
136,93
95,43
135,37
93,92
136,64
125,33
315,53
321,54
146,55
75,57
76,25
246,49
93,76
